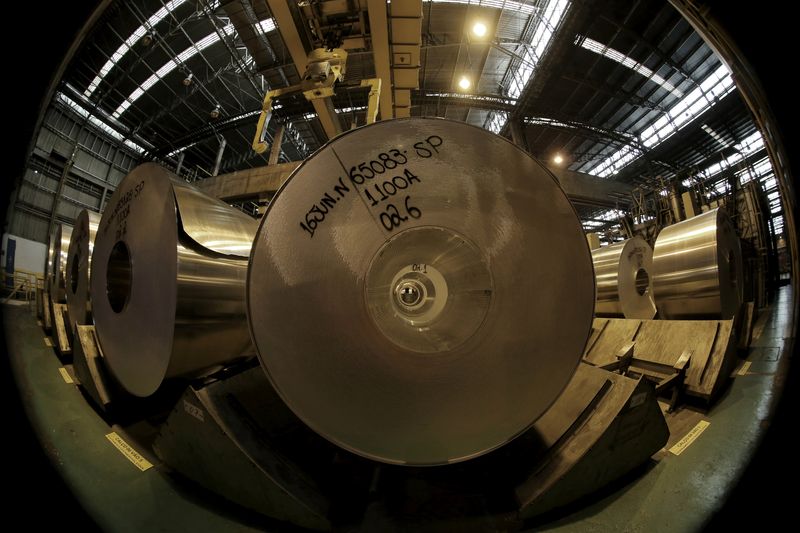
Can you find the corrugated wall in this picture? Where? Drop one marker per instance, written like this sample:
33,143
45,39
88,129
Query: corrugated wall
99,164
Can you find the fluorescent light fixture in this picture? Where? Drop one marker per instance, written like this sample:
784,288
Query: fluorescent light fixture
132,39
546,121
351,109
171,65
549,19
476,97
615,55
714,135
183,57
712,89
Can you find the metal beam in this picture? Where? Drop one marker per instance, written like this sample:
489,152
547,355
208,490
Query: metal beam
222,144
263,181
615,91
581,189
584,189
283,18
327,116
275,150
249,183
405,17
518,134
379,35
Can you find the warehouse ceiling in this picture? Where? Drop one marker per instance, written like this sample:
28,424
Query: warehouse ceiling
618,89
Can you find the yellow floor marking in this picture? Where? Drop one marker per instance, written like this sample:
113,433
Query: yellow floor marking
690,437
745,368
65,374
133,456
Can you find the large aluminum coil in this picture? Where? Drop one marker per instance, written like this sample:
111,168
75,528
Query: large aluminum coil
624,287
697,268
420,291
58,265
168,280
79,258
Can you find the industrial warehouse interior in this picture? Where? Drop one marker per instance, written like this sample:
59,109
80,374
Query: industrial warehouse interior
419,265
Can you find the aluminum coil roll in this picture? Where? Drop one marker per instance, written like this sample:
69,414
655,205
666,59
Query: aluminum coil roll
623,277
168,280
400,299
697,268
79,259
58,266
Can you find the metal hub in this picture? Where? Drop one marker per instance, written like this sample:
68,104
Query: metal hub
409,293
428,290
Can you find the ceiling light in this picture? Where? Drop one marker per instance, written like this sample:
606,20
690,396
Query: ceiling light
479,29
558,159
188,79
464,83
147,39
215,112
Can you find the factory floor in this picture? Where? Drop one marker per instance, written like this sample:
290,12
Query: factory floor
673,493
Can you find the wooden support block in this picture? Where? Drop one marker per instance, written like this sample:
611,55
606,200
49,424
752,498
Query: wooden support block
90,369
624,358
62,329
40,303
47,317
704,350
612,336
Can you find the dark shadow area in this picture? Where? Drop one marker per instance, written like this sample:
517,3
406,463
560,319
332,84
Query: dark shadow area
233,512
33,481
580,509
758,493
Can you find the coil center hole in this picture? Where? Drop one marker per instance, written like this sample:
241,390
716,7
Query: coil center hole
118,277
74,274
642,281
410,293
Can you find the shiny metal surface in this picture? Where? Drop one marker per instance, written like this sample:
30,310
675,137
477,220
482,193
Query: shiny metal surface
58,265
697,268
163,304
213,224
79,257
427,312
623,276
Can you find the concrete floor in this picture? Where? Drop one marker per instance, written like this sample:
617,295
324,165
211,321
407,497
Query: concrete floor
675,493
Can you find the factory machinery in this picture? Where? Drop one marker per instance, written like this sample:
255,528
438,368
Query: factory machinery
416,336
